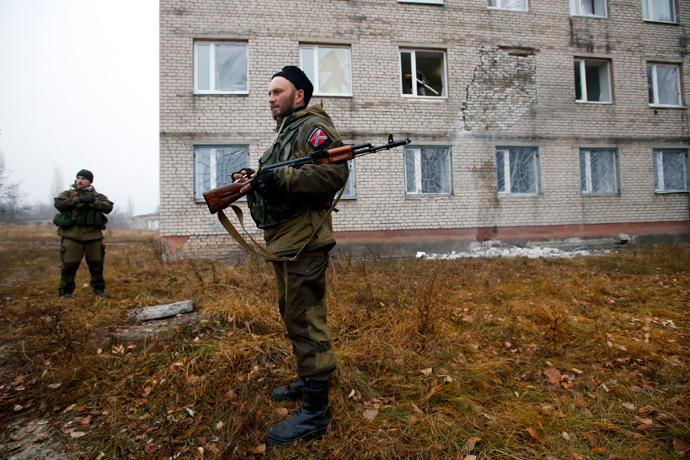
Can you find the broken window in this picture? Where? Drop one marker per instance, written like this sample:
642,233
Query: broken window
592,81
220,67
588,8
427,170
520,5
328,69
423,73
598,171
517,170
664,84
670,170
214,165
659,10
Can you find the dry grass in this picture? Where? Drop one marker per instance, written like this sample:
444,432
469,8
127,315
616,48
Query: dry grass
444,351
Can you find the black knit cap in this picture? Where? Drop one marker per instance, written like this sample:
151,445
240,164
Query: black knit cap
85,173
298,78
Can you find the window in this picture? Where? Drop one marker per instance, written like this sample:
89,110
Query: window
592,81
430,70
598,171
214,165
154,224
433,2
328,69
659,10
427,170
664,85
517,170
519,5
670,170
588,8
220,68
350,191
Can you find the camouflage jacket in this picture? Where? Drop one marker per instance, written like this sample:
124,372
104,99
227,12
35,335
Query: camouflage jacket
305,193
89,218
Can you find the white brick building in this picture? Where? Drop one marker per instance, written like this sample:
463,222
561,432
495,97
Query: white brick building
553,119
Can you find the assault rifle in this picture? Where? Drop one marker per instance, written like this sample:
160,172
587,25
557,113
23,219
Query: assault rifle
221,197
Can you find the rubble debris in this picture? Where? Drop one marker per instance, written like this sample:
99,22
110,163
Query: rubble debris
161,311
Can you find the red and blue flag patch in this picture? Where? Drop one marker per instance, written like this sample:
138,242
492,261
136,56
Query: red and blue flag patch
318,138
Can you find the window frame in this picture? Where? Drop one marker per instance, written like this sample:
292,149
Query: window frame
583,80
589,178
418,170
351,181
212,80
576,9
655,85
647,8
413,63
506,9
317,85
198,192
506,171
657,158
429,2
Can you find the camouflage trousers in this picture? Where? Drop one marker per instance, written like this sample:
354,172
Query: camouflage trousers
302,301
71,253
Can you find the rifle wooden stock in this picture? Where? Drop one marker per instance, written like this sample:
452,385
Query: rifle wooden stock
221,197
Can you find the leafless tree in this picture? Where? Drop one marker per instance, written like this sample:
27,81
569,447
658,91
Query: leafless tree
130,206
58,184
11,199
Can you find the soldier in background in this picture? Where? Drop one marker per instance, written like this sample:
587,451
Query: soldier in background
80,224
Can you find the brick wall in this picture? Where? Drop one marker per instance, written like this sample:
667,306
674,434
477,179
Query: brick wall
509,83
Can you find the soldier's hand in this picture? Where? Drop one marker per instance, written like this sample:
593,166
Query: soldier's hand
87,198
265,185
246,172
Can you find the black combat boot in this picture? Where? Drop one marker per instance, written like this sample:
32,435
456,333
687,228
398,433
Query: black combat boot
311,420
291,392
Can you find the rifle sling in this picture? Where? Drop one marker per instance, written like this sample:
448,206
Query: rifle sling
265,253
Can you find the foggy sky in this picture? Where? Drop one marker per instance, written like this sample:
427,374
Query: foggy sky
79,89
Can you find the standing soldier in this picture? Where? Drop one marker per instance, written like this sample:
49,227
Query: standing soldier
81,223
288,204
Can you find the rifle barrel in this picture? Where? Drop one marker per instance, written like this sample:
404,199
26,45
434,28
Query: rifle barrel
390,145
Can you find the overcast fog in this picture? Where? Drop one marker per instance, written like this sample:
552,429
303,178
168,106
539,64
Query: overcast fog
79,89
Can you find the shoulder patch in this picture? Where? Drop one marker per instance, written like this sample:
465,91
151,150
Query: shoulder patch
318,138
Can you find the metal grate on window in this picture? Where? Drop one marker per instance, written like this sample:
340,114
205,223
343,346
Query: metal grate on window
213,166
517,170
427,170
598,171
671,170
